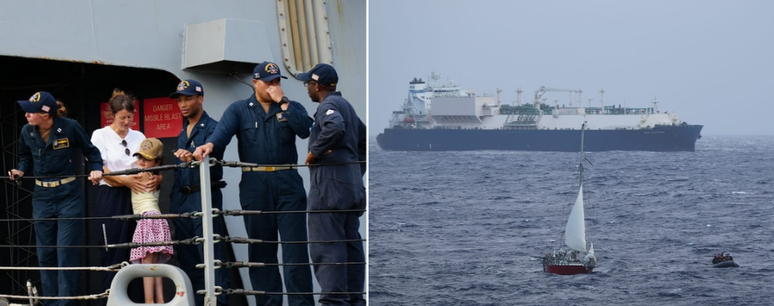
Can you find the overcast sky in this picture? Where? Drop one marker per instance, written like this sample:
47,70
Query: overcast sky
711,62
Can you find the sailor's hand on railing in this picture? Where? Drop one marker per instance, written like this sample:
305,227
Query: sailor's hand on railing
203,151
183,155
15,175
95,176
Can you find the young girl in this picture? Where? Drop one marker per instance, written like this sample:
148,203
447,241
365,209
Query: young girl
150,230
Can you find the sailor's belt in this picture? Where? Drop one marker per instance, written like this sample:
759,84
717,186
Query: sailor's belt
54,183
267,169
193,189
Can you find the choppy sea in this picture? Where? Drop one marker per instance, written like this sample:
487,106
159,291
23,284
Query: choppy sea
458,228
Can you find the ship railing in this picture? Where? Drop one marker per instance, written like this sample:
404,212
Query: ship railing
183,288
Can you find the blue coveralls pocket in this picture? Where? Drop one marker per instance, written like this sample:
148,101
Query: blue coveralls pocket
286,134
248,134
336,194
60,156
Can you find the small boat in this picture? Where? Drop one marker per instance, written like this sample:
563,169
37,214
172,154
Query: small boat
724,260
578,259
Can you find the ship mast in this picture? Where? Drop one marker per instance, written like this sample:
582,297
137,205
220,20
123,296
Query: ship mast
602,98
498,96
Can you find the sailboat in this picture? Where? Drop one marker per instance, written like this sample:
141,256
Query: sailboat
578,259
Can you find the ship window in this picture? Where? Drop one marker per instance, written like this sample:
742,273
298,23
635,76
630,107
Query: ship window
304,34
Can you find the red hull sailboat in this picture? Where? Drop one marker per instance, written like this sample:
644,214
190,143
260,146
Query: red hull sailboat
567,269
578,259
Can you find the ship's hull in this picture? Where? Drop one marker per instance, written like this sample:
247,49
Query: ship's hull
568,269
659,139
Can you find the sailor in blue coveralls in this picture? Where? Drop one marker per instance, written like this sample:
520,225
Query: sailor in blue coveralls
338,137
185,195
266,125
48,146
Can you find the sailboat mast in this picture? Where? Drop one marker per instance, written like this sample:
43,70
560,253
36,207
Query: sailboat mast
582,153
583,158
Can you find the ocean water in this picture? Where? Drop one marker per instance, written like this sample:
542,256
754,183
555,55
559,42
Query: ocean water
458,228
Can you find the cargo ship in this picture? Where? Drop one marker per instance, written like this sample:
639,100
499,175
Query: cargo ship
441,116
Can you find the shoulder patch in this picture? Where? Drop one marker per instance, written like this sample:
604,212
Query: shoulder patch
329,112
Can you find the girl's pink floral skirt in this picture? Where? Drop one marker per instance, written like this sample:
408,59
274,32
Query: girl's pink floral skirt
151,230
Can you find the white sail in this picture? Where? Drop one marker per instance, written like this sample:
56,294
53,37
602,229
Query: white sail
575,232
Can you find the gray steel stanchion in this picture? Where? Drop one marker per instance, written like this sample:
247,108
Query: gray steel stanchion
183,289
209,254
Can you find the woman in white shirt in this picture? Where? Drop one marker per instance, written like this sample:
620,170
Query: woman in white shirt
117,143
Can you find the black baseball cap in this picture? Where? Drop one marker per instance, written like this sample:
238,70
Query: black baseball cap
323,74
267,71
40,102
